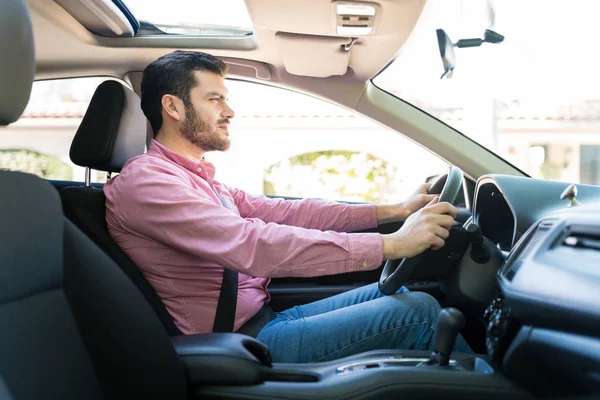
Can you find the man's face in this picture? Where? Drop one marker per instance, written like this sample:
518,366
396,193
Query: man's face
206,122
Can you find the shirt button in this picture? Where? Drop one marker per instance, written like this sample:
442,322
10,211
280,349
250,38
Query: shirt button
199,169
364,264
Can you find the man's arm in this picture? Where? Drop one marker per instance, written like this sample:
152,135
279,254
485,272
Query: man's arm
307,213
169,211
328,215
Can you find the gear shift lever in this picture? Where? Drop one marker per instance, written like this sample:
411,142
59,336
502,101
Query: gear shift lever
447,327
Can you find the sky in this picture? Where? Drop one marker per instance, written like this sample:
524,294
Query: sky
215,12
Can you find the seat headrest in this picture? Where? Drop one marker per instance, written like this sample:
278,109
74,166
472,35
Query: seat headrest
17,59
112,131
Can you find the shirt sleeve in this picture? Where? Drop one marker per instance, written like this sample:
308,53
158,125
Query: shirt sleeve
163,206
307,213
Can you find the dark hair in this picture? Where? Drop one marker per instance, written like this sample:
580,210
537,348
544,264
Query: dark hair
173,74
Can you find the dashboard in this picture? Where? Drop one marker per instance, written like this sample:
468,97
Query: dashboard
544,319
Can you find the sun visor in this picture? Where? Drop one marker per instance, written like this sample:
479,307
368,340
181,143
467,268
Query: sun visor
316,56
101,17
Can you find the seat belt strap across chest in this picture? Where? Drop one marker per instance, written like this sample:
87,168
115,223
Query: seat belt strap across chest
225,316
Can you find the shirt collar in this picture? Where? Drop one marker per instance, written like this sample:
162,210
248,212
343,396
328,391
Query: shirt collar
203,168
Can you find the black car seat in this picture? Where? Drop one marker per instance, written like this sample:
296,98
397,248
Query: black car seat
112,131
72,325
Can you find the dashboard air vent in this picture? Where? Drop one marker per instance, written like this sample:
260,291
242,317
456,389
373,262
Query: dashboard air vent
583,237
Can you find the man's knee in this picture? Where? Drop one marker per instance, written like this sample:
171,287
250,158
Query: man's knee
423,303
422,298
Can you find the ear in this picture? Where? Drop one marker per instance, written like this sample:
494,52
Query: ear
173,107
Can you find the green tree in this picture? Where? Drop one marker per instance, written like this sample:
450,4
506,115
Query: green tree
343,175
33,162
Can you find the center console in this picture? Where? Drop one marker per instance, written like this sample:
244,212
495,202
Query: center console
499,330
231,365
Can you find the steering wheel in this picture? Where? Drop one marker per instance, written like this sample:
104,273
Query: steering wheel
396,272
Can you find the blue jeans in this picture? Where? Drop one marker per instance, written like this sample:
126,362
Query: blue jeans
359,320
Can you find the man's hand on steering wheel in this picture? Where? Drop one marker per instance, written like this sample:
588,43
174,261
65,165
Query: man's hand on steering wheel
406,249
424,229
401,211
419,199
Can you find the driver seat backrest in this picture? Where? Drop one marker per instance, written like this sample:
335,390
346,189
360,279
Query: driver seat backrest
112,131
72,326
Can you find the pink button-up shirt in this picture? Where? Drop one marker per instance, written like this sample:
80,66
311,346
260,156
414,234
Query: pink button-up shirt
164,211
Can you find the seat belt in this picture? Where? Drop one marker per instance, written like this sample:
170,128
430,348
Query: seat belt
225,316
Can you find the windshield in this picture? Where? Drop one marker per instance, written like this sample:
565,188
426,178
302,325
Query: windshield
533,99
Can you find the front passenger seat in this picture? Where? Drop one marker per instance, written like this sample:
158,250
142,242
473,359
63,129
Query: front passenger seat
72,326
112,131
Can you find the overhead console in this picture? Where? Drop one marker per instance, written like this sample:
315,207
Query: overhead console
355,18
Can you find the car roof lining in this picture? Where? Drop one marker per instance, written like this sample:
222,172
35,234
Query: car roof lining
65,47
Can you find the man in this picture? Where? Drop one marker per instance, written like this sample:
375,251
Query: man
182,227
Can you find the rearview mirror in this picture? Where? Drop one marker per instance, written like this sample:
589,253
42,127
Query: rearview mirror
447,47
446,52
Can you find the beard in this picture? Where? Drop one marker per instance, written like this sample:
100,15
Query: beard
200,133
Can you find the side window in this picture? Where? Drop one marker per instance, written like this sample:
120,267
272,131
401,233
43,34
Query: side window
40,140
288,144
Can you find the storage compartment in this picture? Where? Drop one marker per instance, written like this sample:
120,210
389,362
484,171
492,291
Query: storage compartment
554,363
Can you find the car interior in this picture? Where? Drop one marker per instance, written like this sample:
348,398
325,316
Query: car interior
78,319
